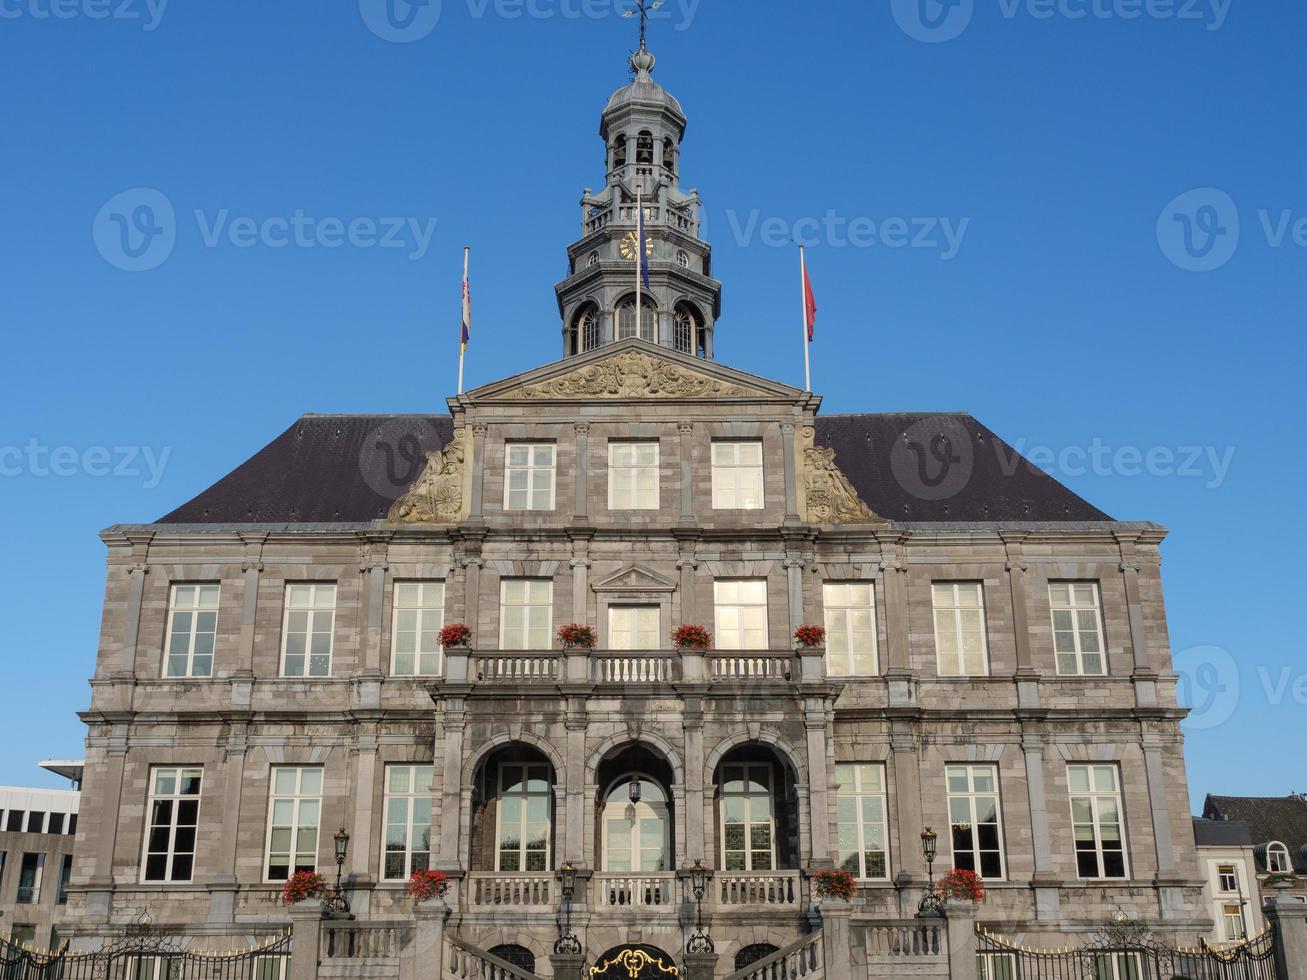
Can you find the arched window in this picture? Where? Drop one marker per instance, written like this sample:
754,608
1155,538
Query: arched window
518,956
750,955
685,328
592,261
669,154
683,259
1277,858
587,329
626,321
644,148
636,827
619,151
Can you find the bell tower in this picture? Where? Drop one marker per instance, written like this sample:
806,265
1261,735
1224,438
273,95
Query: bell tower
642,128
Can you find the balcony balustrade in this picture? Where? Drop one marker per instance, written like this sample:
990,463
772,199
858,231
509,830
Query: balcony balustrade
771,889
622,891
506,889
622,668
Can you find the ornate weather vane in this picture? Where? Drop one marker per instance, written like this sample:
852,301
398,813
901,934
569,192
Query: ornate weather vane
644,8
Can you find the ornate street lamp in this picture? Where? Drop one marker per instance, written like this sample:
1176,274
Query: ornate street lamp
930,903
337,903
567,942
700,941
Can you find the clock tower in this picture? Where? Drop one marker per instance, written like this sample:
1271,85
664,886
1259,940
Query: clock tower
642,129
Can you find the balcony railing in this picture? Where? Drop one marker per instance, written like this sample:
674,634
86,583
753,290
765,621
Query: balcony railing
517,668
747,665
631,667
772,889
618,891
496,889
364,940
634,668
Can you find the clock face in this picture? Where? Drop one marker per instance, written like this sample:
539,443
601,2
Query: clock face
628,246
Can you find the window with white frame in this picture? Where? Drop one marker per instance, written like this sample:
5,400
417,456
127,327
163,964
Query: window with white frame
29,879
850,628
1277,859
960,629
737,475
975,819
294,817
271,967
419,614
308,629
1117,966
529,475
1232,924
996,966
192,629
636,832
526,613
748,817
174,818
741,614
1077,628
863,842
408,821
633,628
525,799
633,476
1227,879
1096,821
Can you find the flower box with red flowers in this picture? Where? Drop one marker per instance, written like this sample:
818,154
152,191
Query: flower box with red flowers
575,636
961,884
303,885
810,636
426,885
456,635
834,884
689,637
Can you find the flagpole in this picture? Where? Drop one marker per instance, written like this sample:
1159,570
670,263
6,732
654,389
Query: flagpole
807,343
639,259
462,347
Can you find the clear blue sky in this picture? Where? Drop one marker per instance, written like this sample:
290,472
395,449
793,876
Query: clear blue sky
1054,144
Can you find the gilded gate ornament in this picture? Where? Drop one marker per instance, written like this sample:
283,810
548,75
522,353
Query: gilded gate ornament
438,496
633,374
829,497
635,962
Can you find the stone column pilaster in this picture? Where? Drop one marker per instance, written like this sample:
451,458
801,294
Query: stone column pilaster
582,430
1289,920
1155,774
99,891
818,722
686,429
453,724
1130,569
132,618
696,821
365,782
1047,898
222,888
791,476
251,573
960,923
573,814
305,939
907,807
686,565
373,566
479,430
426,954
794,581
836,937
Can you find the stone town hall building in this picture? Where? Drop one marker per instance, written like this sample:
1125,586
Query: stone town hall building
996,667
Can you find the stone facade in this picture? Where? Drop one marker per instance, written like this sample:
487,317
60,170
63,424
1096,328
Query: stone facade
37,828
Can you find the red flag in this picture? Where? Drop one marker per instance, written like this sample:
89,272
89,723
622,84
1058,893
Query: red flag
809,302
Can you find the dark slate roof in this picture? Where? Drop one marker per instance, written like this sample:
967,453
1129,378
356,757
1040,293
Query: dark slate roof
908,468
1269,818
1221,833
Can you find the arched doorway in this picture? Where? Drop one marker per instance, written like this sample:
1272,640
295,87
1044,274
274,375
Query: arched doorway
634,963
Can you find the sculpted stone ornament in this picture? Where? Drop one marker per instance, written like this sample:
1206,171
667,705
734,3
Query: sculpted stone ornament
438,495
829,497
633,374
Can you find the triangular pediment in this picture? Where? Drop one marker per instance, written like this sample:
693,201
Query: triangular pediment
635,578
633,370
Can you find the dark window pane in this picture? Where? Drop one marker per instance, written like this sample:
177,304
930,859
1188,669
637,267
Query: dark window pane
185,840
156,866
56,823
15,822
990,865
1113,864
181,867
188,811
35,820
1087,864
158,839
988,835
965,860
72,823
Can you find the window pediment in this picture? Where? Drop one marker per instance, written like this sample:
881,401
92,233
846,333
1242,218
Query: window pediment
635,578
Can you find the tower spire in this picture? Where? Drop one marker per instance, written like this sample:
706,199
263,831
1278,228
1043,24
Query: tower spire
643,8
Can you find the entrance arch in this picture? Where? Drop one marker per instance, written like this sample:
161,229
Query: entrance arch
634,963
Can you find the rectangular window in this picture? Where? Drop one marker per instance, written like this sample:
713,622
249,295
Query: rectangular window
633,476
154,968
850,628
174,809
14,821
65,879
408,821
960,629
529,476
35,821
1227,877
1077,628
748,818
23,935
633,628
975,819
418,618
308,629
1117,966
271,967
524,819
56,824
192,628
29,879
996,966
737,475
1097,821
526,614
294,815
860,804
1232,921
741,614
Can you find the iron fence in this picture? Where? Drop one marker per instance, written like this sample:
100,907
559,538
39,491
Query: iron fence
147,958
